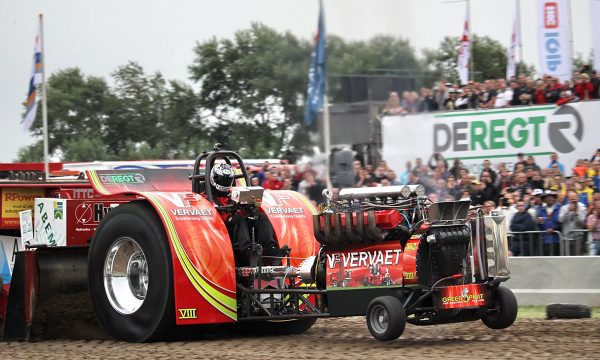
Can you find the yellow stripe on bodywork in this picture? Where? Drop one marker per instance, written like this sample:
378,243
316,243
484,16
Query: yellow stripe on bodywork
98,184
220,301
306,202
241,180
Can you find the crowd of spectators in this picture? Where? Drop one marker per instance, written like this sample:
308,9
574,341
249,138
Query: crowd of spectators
497,93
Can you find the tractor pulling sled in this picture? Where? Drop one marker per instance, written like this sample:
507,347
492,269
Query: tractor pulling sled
161,259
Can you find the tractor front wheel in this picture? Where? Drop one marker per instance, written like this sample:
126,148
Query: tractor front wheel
386,318
503,310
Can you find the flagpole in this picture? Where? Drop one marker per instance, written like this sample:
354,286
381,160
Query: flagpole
44,108
326,131
520,37
471,47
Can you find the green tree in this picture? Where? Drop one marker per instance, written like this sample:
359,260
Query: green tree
251,88
579,61
31,153
489,58
77,107
80,149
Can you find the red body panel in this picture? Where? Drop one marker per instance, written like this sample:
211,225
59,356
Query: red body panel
462,296
373,263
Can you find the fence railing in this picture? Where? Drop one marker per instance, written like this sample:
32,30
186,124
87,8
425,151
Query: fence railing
532,243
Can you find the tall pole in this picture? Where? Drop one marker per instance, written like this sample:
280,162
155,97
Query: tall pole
520,36
570,32
471,69
326,136
44,108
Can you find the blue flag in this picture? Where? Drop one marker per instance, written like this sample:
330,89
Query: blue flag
317,74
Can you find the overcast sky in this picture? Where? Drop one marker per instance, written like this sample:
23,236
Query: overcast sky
98,36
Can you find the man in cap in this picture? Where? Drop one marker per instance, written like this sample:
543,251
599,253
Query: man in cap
449,101
477,197
572,216
548,220
462,101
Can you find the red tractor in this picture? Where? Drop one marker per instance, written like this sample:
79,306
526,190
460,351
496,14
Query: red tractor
341,278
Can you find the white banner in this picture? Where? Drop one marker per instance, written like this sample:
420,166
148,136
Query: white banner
464,54
595,12
553,39
511,68
571,131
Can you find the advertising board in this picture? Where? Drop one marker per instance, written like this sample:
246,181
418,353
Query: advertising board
497,135
15,200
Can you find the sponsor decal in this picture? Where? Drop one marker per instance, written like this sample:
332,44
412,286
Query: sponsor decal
465,296
46,225
91,213
84,194
15,200
409,275
550,15
187,314
121,179
411,246
191,212
414,237
364,258
59,210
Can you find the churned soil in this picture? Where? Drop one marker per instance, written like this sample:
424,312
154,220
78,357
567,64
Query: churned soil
349,338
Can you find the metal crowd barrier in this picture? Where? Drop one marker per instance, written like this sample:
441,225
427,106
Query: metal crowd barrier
521,237
568,242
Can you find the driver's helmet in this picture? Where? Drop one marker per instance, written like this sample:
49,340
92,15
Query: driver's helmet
221,178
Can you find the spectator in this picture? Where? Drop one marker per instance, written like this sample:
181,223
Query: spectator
572,217
536,181
473,98
456,167
449,101
487,166
585,193
503,96
585,89
428,101
521,161
391,175
594,225
380,174
526,94
477,195
393,106
540,93
517,91
531,163
522,220
548,219
440,95
255,181
488,206
488,98
449,198
384,182
465,195
554,160
580,169
287,184
416,180
405,176
452,187
462,101
565,97
441,189
272,182
261,175
357,172
506,207
521,184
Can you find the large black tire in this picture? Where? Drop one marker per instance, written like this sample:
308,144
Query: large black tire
568,311
386,318
154,320
502,313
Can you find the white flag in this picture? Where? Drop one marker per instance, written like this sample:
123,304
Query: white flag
595,12
553,39
511,68
464,54
36,78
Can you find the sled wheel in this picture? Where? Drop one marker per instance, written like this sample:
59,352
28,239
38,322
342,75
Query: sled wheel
503,310
131,275
568,311
386,318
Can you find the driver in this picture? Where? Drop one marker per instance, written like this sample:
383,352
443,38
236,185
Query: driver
221,180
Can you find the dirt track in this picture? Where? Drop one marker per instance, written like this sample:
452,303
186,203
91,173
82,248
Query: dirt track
349,339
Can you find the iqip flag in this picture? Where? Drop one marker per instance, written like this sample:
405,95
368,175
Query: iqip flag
317,74
553,39
511,68
464,54
36,78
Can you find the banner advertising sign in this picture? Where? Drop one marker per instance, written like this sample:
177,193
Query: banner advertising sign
15,200
595,12
497,135
553,38
511,68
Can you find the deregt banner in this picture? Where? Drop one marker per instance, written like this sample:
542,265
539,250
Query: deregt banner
553,38
571,130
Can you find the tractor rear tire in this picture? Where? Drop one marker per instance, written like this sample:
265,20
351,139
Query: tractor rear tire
138,226
503,310
386,318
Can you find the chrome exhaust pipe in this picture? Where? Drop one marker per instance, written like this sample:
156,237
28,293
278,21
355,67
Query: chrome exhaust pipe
350,232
